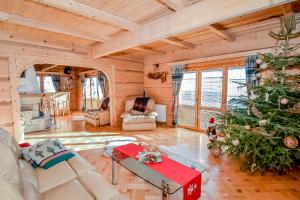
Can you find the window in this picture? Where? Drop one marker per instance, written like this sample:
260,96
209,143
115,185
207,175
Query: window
48,84
92,88
236,79
187,100
211,90
187,95
39,80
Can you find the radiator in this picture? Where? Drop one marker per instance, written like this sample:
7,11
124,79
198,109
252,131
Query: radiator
162,112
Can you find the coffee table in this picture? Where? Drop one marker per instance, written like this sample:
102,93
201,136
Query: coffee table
158,180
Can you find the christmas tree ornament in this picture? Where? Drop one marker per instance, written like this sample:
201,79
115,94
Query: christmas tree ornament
252,95
216,151
247,127
235,142
258,61
255,111
262,131
263,122
267,97
284,101
263,66
291,142
211,130
258,75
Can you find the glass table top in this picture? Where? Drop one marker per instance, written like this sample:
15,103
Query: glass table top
151,176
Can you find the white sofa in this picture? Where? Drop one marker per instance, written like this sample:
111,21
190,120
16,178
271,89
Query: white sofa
75,179
135,120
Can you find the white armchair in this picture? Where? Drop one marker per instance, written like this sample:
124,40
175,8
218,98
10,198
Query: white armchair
136,120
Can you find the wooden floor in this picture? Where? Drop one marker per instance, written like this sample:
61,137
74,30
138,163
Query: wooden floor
226,181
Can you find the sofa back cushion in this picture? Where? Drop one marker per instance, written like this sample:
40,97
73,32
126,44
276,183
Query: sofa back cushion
8,191
29,181
9,167
130,103
8,139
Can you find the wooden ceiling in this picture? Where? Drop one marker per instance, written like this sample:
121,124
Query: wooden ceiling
78,25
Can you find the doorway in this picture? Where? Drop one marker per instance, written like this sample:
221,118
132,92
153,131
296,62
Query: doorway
206,90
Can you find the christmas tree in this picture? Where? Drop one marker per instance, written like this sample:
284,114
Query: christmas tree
262,130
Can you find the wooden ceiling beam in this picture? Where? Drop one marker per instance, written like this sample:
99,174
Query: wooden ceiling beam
19,38
179,43
148,50
173,5
33,23
222,33
90,12
47,68
183,21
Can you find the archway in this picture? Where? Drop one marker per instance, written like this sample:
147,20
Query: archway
23,63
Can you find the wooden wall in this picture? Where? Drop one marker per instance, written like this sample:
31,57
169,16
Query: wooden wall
162,92
6,118
129,84
125,78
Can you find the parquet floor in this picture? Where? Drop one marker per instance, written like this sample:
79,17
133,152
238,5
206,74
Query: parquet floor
226,181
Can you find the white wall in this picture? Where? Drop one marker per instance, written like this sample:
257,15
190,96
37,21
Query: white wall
29,84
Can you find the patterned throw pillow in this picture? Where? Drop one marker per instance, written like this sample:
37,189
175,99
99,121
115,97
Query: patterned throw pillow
25,155
105,102
48,153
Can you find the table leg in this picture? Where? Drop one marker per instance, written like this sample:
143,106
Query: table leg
165,191
114,172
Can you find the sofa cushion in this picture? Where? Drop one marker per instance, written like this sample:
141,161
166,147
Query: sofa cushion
8,191
72,190
79,164
9,168
8,139
27,173
54,176
48,153
100,188
119,197
138,119
30,192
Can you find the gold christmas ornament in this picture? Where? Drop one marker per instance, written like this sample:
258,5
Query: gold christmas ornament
216,151
235,142
252,95
248,127
284,101
291,142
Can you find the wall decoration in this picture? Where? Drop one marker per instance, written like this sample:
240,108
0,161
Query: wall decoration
67,83
158,75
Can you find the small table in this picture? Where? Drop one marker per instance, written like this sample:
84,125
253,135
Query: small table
149,174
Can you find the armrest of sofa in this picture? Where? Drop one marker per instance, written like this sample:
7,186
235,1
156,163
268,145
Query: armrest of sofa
152,113
126,114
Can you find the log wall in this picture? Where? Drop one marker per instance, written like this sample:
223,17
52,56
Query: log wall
162,92
14,58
